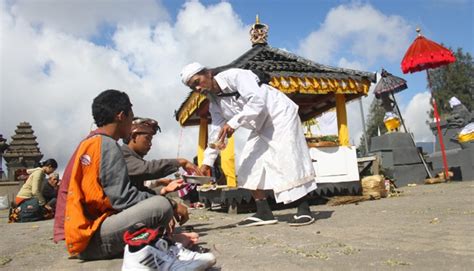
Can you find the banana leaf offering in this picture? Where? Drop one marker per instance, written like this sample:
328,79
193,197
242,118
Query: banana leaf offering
323,141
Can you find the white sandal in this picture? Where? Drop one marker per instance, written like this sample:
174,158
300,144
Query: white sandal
255,221
301,220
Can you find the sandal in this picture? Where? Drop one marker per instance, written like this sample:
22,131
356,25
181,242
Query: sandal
255,221
301,220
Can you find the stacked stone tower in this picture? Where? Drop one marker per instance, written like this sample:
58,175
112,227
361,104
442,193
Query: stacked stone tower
23,151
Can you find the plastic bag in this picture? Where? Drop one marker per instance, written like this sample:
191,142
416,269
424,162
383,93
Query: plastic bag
4,202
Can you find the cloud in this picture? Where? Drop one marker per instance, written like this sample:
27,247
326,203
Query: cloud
359,31
50,77
415,116
85,18
356,65
56,102
360,37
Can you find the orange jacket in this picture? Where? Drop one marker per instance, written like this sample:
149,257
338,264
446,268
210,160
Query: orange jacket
98,187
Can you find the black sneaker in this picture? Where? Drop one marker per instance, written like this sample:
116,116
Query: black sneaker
301,220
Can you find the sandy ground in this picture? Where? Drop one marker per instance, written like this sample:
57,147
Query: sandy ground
429,227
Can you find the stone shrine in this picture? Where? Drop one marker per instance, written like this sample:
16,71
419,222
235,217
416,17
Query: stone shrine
460,157
399,158
23,151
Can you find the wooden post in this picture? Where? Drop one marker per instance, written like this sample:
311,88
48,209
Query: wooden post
342,128
202,142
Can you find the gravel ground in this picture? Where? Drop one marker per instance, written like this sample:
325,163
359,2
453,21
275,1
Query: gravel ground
429,227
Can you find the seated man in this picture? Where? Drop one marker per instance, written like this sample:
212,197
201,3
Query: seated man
140,170
96,203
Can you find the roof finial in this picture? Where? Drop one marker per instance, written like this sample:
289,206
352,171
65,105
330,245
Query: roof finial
258,32
418,30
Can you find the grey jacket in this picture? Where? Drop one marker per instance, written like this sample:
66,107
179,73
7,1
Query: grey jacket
140,170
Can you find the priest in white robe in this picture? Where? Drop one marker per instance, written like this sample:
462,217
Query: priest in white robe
275,156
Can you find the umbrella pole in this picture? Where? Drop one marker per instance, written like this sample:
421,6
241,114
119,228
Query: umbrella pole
438,126
411,136
399,113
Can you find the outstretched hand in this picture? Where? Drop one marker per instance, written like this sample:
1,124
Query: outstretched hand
189,167
226,130
172,186
162,181
205,170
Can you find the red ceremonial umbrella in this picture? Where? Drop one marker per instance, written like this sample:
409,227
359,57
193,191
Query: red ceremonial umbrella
425,54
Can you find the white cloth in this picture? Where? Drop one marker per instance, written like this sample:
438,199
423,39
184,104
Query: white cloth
467,129
276,155
390,115
454,101
189,70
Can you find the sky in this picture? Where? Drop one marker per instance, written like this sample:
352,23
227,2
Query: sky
57,55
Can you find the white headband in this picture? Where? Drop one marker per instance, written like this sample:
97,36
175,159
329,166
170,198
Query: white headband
189,70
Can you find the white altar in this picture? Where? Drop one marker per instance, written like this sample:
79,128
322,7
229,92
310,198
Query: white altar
335,164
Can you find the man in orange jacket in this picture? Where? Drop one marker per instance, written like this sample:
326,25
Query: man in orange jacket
101,204
97,203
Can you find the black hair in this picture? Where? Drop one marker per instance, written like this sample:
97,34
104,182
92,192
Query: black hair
108,104
50,162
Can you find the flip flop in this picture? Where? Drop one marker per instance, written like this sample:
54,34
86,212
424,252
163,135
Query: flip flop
255,221
301,220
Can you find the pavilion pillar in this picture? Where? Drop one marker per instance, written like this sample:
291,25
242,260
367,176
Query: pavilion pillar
202,142
342,128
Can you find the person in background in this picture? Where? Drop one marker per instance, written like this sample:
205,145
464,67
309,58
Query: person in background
97,204
50,190
275,156
31,205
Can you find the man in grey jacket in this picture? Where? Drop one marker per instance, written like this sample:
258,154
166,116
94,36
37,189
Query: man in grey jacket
141,171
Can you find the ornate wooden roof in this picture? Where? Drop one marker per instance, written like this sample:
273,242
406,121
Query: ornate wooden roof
310,85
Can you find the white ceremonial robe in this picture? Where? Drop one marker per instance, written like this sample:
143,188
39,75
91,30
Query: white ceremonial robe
275,155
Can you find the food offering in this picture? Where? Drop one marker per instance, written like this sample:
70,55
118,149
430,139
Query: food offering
323,141
199,180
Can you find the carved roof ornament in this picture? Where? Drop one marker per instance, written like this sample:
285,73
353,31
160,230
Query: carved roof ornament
258,33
